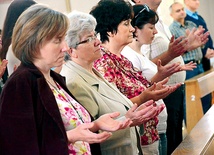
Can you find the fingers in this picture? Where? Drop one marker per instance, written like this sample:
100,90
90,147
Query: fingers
152,112
170,69
114,114
100,137
159,63
172,39
178,40
148,103
204,38
126,123
176,86
133,108
187,32
180,45
174,69
152,87
164,81
144,109
200,30
189,66
3,67
160,108
4,62
94,137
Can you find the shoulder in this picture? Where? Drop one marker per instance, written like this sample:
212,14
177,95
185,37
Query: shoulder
67,72
22,75
172,24
200,17
129,53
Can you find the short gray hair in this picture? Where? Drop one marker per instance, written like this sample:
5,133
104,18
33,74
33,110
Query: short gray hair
170,7
80,23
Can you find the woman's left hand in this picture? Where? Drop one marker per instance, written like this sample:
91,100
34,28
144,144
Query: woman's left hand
189,66
107,122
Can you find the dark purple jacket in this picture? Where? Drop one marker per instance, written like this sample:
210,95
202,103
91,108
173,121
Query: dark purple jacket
30,122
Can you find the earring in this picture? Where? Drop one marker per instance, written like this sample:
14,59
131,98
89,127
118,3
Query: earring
136,38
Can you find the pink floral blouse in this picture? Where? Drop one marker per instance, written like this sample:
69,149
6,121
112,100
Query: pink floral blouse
73,114
130,82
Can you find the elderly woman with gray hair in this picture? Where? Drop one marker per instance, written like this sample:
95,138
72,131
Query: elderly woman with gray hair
96,94
38,114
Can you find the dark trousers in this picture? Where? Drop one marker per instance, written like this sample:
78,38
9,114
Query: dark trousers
174,106
162,144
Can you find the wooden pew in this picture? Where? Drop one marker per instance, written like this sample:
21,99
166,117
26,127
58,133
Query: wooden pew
200,141
197,87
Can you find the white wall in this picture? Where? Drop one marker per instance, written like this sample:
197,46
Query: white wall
83,5
206,9
80,5
59,5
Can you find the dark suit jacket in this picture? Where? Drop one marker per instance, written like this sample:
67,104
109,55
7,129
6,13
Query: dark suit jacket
30,122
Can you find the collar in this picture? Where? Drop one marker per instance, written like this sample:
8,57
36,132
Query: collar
186,23
191,14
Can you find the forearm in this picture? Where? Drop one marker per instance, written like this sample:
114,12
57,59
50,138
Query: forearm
139,99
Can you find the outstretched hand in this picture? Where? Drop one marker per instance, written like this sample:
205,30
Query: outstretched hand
177,46
165,71
159,90
107,122
189,66
83,133
196,38
144,112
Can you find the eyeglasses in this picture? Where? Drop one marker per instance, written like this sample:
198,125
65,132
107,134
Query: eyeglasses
90,39
146,7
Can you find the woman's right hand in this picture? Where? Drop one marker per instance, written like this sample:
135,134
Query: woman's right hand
158,91
166,70
83,133
144,112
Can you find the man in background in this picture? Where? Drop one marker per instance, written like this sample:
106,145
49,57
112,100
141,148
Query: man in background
178,28
192,15
207,49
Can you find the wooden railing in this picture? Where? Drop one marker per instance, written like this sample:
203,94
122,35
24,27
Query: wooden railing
196,88
200,141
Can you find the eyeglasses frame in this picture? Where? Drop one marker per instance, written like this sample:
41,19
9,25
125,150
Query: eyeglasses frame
89,39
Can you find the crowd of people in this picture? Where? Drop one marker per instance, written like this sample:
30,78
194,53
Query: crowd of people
100,83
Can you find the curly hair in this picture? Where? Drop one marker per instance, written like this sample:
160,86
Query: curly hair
109,14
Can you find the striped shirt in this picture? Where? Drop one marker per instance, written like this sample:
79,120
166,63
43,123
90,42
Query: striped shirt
178,30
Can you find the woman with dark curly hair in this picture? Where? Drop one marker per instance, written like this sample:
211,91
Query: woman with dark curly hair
115,30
